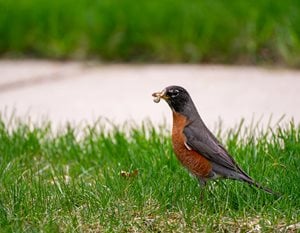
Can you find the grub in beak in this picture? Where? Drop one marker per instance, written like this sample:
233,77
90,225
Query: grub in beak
158,95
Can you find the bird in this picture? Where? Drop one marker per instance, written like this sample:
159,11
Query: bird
194,144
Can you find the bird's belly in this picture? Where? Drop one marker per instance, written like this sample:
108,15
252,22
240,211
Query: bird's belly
194,162
197,164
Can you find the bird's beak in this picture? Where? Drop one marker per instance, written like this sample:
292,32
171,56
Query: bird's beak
158,95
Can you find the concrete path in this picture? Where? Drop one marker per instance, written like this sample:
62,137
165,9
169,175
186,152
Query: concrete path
78,92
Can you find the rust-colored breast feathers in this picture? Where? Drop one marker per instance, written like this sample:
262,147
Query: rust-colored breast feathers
193,161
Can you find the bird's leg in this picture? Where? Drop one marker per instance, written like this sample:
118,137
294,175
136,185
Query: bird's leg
202,184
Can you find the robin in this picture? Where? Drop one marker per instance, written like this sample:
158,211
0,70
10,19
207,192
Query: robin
195,146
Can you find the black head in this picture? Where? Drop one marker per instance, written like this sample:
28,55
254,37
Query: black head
177,98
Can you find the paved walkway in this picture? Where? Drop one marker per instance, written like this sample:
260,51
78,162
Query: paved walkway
77,92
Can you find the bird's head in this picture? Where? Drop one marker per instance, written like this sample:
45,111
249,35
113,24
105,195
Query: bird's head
177,98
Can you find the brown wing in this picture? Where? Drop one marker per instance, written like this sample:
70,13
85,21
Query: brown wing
202,141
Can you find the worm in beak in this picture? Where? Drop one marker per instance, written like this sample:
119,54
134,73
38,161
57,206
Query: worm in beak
158,95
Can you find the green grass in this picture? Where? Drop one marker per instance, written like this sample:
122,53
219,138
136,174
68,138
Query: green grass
128,180
219,31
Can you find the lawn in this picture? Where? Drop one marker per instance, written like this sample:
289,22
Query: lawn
127,179
241,32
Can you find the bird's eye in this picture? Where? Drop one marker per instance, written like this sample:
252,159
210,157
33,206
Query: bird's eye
174,93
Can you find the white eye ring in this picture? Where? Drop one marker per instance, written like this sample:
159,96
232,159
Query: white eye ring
174,93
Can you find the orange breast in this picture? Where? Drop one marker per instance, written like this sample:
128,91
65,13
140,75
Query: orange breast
193,161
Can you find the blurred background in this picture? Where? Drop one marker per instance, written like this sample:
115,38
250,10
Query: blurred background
79,60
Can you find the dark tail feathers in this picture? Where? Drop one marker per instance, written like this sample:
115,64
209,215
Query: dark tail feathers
248,179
